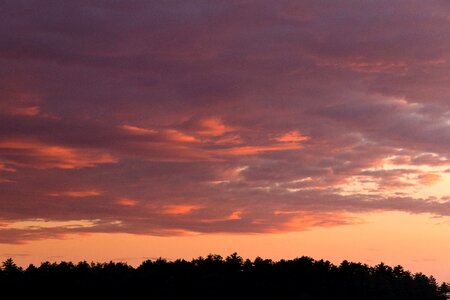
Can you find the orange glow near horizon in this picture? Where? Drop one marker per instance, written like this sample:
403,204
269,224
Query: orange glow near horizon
381,237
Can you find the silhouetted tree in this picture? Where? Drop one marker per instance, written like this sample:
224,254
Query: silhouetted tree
213,277
10,268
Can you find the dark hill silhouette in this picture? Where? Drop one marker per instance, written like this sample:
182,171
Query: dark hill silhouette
214,277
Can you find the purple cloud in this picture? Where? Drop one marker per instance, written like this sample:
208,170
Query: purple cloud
247,116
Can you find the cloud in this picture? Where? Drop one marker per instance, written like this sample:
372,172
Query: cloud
213,127
36,154
429,178
76,194
28,111
4,168
291,137
176,209
4,180
137,130
238,116
127,202
179,136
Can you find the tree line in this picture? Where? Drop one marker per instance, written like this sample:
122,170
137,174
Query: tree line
215,277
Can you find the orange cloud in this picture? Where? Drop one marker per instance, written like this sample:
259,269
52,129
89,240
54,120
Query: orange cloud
230,174
249,150
428,178
292,137
235,215
179,209
127,202
377,67
399,160
28,111
77,194
36,154
5,168
179,136
303,220
229,140
36,224
213,127
137,130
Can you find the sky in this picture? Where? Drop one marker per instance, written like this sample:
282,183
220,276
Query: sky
141,129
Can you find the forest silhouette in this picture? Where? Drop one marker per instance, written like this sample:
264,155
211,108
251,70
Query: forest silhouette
215,277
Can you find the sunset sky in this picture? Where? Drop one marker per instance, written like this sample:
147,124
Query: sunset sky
137,129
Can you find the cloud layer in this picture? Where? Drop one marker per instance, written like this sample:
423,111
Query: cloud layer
187,117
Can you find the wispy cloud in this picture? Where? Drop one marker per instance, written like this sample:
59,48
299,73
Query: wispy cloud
127,202
34,153
76,194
